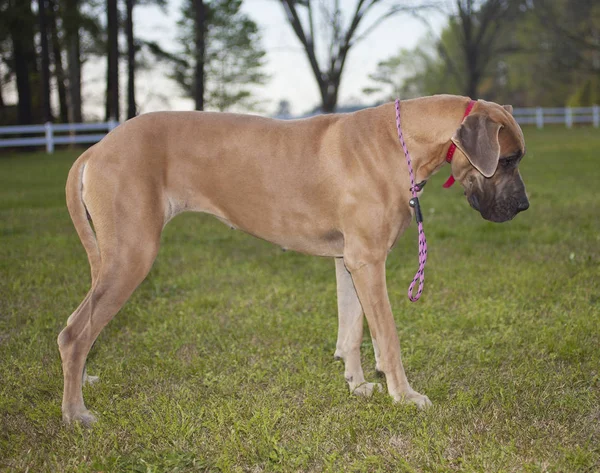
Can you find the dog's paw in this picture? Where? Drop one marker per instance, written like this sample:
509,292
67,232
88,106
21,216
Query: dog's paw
366,389
420,400
84,417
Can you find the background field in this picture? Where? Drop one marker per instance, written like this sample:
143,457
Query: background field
223,358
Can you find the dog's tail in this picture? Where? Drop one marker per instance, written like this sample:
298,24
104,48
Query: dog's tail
79,214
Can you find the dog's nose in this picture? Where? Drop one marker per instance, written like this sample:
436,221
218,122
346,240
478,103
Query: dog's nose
523,205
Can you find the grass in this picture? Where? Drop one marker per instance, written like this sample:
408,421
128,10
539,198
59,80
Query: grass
223,358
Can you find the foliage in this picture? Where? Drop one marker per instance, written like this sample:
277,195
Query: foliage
223,358
411,73
234,57
468,51
543,55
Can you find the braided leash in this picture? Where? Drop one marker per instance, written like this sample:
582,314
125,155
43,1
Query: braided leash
414,203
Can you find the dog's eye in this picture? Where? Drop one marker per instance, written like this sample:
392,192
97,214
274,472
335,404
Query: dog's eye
509,161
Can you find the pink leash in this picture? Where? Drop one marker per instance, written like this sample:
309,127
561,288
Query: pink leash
414,203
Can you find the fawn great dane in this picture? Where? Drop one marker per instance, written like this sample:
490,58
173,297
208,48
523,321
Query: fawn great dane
332,185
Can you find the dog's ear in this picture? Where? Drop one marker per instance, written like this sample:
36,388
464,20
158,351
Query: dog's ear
508,108
477,138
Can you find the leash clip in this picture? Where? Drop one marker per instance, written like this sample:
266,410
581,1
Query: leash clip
414,203
419,187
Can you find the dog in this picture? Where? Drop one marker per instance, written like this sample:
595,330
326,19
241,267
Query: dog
332,185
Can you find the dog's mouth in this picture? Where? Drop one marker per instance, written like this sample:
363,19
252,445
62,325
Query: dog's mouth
499,218
502,212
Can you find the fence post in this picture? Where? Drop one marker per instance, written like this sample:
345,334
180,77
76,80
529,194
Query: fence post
596,116
569,117
539,117
49,138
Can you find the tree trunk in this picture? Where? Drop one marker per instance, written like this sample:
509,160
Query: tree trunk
131,108
75,106
472,84
59,71
329,87
200,17
473,76
472,55
112,75
107,102
329,96
71,22
23,57
45,73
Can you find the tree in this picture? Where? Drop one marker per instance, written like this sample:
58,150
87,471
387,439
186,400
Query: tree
112,70
199,27
576,21
5,72
131,107
21,26
59,71
476,54
232,58
410,73
132,48
45,50
478,32
336,37
571,31
72,24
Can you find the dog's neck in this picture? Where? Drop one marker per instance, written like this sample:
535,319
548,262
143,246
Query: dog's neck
428,124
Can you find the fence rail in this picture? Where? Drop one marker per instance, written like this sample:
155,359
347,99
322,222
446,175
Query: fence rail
78,133
568,116
54,134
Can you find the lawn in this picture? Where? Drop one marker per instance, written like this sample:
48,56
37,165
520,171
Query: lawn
223,358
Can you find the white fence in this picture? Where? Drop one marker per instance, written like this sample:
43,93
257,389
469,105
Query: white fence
50,134
568,116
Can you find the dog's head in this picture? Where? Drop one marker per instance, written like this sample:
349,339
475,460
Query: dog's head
492,146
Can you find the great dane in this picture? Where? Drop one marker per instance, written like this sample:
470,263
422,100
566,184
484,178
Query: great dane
332,185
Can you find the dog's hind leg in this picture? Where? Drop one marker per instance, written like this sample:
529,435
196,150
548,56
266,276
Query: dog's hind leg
116,281
350,332
128,239
87,379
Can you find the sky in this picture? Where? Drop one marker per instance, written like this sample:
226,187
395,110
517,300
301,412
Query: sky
290,74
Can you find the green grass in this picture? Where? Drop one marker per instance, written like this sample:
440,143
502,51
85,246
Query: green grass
223,358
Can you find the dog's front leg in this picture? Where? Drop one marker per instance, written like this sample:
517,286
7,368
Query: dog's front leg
369,281
350,332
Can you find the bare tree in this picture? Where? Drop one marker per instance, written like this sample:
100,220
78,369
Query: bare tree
337,37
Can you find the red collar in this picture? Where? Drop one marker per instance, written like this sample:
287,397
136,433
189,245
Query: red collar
452,148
